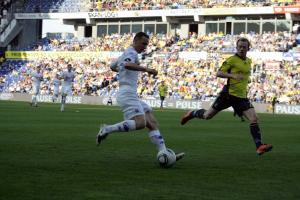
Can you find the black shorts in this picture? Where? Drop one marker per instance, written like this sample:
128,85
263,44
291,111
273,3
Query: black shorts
225,100
162,98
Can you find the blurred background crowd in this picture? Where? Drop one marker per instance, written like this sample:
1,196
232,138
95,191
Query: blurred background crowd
185,78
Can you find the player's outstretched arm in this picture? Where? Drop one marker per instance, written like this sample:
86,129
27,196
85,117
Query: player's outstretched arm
136,67
152,71
222,74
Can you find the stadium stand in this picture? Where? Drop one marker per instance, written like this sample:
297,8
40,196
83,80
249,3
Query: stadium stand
187,78
4,14
113,5
36,6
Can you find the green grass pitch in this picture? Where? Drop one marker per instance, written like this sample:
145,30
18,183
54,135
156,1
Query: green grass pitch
49,155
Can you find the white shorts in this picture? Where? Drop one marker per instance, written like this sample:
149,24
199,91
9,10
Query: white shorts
36,89
131,105
66,90
56,91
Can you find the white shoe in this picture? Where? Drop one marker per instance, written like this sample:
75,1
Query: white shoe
179,156
101,134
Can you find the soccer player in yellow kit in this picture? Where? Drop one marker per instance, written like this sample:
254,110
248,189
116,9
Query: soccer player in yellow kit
237,70
162,89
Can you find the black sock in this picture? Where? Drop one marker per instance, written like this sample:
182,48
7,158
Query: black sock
255,132
199,113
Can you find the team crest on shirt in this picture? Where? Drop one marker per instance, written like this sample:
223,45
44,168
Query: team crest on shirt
127,59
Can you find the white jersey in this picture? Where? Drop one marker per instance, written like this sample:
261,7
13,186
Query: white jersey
127,96
56,83
37,77
68,77
128,79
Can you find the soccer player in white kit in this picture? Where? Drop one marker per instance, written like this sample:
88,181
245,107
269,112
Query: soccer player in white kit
137,114
37,77
68,77
56,84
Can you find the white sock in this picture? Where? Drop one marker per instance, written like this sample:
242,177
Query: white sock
124,126
157,139
63,101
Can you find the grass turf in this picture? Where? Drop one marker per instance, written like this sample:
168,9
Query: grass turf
46,154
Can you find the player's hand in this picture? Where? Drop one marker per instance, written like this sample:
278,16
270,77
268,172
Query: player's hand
152,71
115,69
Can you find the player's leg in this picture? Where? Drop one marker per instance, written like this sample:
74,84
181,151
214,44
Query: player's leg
54,98
135,123
222,102
36,89
33,98
250,114
63,102
242,119
55,94
162,98
66,90
240,116
134,116
154,134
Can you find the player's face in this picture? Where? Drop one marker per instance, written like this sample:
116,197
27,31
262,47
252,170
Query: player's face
242,48
141,44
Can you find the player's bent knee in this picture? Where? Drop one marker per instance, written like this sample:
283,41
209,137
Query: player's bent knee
151,122
207,116
140,123
253,121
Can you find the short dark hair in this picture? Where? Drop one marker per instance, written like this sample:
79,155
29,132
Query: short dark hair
242,39
139,35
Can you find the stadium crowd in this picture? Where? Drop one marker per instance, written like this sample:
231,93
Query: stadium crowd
213,42
186,79
37,6
115,5
181,4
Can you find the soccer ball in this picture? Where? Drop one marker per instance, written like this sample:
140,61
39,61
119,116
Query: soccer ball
166,158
